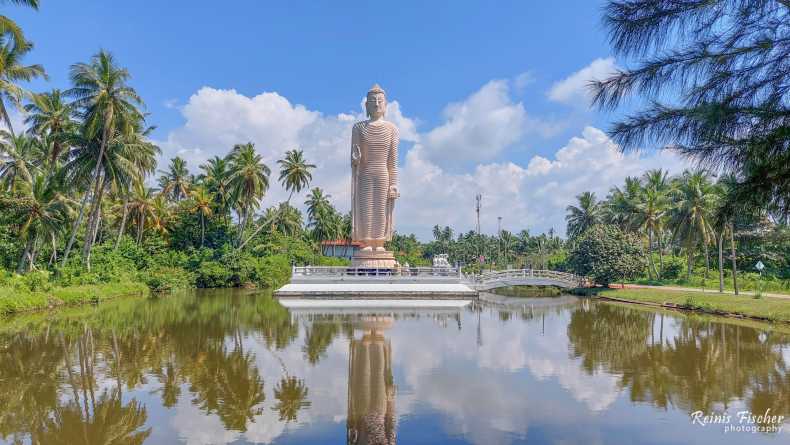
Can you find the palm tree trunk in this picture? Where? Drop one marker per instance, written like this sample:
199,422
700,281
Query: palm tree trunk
93,224
202,229
652,271
74,228
720,239
660,257
734,259
25,254
688,253
123,221
707,258
97,186
54,257
140,224
33,254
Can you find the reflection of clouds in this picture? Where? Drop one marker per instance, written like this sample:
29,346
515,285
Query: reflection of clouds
194,427
482,392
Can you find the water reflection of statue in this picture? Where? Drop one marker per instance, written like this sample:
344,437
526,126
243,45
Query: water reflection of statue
371,391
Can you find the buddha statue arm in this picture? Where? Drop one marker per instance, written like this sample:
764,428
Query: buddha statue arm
392,164
356,150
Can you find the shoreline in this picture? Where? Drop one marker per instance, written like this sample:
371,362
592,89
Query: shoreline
14,301
766,309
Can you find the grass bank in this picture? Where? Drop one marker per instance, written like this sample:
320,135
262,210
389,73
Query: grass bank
14,299
766,308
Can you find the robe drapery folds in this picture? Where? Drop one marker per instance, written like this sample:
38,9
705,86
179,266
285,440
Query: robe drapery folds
374,170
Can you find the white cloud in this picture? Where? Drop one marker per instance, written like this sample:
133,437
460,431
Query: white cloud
481,127
573,90
533,197
435,188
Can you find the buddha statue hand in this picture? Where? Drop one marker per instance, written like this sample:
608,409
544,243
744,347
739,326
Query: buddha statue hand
356,154
393,192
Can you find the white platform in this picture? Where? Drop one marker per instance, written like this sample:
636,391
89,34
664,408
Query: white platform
389,290
300,303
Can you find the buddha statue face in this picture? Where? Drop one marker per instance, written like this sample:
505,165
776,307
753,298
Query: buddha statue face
376,105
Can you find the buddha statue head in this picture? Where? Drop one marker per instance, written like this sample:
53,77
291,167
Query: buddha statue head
376,104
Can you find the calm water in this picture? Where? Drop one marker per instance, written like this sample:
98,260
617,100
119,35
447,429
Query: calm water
233,367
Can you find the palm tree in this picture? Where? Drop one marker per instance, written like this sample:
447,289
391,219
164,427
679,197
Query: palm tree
12,72
248,182
586,215
202,205
10,27
215,177
316,203
323,219
695,201
284,219
176,181
141,207
650,211
44,212
107,106
294,172
48,115
620,207
20,159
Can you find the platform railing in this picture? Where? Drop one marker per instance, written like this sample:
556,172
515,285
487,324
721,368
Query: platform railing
339,271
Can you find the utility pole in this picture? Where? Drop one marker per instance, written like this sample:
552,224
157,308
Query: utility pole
478,198
499,236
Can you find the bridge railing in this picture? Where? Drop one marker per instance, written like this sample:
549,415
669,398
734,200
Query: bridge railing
515,274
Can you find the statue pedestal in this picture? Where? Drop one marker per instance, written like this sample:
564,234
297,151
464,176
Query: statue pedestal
372,259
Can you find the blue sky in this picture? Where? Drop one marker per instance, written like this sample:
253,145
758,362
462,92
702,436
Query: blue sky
480,85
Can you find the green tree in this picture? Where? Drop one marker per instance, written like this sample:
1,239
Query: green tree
20,159
11,28
248,182
48,115
12,71
606,254
713,78
583,217
216,178
294,172
108,107
695,202
201,204
176,182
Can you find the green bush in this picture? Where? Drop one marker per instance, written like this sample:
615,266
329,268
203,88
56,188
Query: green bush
107,266
37,281
212,274
607,255
167,278
273,271
674,267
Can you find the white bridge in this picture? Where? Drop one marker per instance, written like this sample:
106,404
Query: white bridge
523,277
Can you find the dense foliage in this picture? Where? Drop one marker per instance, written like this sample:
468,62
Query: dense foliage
712,80
606,254
689,215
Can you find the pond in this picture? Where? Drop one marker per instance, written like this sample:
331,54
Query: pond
230,366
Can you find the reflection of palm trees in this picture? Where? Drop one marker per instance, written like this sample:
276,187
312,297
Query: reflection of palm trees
109,423
92,420
704,366
371,390
291,395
